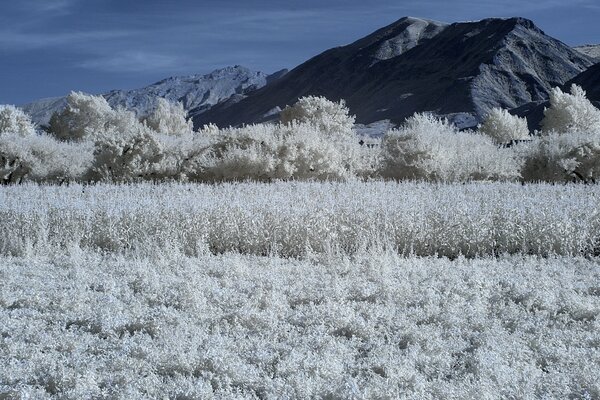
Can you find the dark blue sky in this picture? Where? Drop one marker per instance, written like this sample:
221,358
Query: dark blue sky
49,47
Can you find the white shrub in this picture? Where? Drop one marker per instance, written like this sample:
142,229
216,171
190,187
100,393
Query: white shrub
125,157
15,159
169,119
89,117
329,117
571,157
41,158
292,151
570,112
14,120
428,148
303,218
504,127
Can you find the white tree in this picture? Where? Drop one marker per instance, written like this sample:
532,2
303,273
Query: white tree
42,158
126,157
428,148
14,120
90,117
570,157
329,117
291,151
570,112
169,119
504,127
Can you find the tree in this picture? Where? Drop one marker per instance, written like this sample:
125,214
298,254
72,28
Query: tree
570,157
169,119
504,127
428,148
329,117
14,120
570,112
90,117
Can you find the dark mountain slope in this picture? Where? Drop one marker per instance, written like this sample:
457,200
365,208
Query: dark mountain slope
418,65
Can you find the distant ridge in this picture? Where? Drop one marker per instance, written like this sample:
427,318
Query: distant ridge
458,70
590,50
199,92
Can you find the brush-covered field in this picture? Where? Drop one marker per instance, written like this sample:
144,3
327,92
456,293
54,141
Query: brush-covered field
300,290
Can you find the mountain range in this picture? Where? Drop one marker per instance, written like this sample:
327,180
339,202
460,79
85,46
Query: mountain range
198,92
459,70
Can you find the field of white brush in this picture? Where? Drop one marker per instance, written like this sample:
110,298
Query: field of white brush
300,290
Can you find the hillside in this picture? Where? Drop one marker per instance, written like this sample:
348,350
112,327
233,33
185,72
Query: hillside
198,92
590,50
459,70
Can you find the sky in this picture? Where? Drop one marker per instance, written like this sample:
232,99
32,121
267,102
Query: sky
50,47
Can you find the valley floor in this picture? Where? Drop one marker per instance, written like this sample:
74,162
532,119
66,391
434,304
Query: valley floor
374,325
300,290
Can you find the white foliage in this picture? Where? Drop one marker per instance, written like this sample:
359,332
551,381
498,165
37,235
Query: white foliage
571,113
89,117
329,117
14,120
169,119
428,148
291,151
42,158
568,157
84,326
303,218
127,157
504,127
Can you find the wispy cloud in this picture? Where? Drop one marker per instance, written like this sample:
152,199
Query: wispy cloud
15,40
136,61
48,7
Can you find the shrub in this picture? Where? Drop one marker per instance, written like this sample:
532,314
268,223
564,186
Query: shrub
570,112
126,157
14,120
90,117
504,127
291,151
431,149
329,117
571,157
169,119
41,158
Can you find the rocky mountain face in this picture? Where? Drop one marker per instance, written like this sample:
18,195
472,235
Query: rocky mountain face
589,80
198,92
458,70
590,50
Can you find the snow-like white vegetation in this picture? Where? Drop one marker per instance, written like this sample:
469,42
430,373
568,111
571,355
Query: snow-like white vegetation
169,119
427,148
504,127
373,326
315,140
303,218
571,113
343,287
14,120
329,117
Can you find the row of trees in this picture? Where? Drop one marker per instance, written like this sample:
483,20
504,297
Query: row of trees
89,141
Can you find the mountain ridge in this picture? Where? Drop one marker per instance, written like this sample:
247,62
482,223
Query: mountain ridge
199,92
460,70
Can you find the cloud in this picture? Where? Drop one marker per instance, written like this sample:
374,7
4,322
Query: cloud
133,61
14,40
48,7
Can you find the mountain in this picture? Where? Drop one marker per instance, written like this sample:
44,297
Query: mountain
198,92
590,50
458,70
589,80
